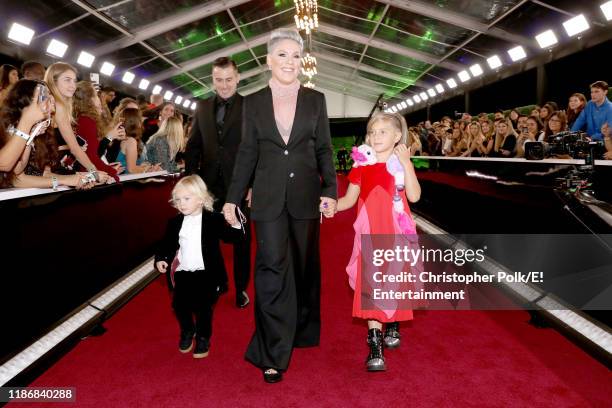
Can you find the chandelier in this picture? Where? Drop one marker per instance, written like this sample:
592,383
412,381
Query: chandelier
306,17
309,66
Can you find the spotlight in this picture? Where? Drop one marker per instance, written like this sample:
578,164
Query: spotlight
144,84
156,90
57,48
416,99
186,103
178,99
403,105
85,59
107,69
576,25
21,34
128,77
607,10
547,39
431,92
409,102
451,83
476,70
494,62
463,76
517,53
168,95
423,96
439,88
193,106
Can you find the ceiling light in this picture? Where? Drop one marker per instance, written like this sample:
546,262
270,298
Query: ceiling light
607,10
431,92
463,76
21,34
107,69
85,59
178,99
144,84
128,77
186,103
476,70
168,95
409,101
57,48
416,99
517,53
451,83
576,25
423,96
156,90
439,88
494,62
193,106
547,39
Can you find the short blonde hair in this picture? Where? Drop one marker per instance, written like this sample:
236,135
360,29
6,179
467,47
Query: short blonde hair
395,119
284,34
195,185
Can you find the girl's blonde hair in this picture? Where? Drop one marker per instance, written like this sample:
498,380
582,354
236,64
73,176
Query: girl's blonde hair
395,119
172,130
195,185
51,76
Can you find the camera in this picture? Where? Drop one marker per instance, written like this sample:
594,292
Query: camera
43,93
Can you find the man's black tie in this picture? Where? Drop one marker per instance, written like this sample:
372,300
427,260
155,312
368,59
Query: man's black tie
221,113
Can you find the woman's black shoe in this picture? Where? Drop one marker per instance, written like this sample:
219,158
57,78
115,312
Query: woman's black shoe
272,375
392,335
201,348
186,342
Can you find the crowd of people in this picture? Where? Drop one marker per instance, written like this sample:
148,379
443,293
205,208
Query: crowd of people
56,130
505,134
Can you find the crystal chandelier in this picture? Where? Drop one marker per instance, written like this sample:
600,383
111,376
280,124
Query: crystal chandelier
306,17
309,66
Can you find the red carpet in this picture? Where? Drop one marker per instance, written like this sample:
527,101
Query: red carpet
446,358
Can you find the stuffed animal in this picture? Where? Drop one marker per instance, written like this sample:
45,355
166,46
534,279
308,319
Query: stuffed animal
395,168
363,155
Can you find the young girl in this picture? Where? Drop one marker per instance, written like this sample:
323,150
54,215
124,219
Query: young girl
195,234
374,188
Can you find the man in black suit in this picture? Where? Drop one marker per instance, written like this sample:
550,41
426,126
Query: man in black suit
211,153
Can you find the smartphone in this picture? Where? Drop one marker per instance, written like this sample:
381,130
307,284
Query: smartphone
43,93
95,78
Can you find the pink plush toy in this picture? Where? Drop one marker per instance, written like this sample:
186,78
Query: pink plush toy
395,168
363,155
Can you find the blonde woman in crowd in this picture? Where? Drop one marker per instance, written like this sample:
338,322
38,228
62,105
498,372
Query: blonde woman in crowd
164,145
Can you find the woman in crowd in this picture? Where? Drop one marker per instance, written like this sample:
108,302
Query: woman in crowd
414,142
61,79
110,145
514,115
557,123
9,75
88,112
164,145
545,112
33,168
505,139
132,154
576,104
475,140
531,132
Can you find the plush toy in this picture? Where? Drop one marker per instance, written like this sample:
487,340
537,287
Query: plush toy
395,168
363,155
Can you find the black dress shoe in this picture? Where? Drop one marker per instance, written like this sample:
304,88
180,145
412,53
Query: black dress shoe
272,375
242,299
201,348
186,342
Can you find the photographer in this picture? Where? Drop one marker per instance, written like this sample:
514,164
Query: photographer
597,112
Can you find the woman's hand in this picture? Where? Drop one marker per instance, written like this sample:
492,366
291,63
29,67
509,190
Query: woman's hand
229,212
117,132
117,166
33,113
161,266
403,154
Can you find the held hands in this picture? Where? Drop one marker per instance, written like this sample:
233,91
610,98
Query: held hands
229,212
403,153
328,206
162,266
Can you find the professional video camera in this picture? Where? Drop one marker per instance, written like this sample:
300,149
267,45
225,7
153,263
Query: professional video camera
577,145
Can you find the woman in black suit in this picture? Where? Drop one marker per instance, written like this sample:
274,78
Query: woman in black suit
287,145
